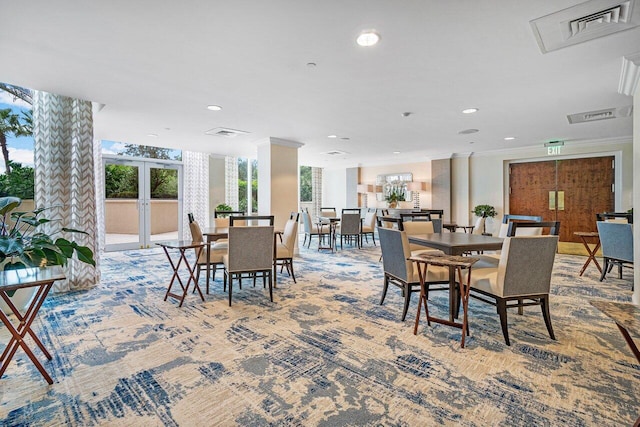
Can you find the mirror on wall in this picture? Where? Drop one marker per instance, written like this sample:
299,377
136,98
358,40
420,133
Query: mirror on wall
393,183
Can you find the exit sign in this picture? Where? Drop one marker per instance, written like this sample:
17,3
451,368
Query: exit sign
554,150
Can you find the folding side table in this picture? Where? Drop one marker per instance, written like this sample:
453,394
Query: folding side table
182,246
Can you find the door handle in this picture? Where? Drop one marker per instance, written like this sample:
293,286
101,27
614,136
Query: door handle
560,200
552,200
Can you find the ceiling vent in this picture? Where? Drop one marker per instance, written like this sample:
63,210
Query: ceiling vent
335,153
592,116
226,132
585,21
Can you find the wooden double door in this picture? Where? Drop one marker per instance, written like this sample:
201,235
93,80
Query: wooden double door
571,191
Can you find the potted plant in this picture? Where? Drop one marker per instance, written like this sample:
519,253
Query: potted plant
394,196
23,244
485,211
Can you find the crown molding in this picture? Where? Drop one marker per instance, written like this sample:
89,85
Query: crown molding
630,74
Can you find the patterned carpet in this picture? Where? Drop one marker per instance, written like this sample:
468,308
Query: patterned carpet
324,353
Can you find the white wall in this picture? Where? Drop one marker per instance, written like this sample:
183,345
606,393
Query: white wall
334,188
421,172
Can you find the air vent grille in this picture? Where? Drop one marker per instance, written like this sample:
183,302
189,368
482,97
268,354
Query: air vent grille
592,116
615,15
226,132
585,21
335,153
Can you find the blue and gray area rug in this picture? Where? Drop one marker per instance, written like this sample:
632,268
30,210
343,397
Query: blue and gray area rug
323,354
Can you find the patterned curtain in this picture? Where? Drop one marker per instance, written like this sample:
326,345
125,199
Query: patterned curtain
64,175
195,197
231,182
316,191
97,160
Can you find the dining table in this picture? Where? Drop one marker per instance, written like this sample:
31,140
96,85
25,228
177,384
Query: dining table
332,223
456,244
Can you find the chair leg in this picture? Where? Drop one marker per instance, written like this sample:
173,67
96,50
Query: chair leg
290,265
407,299
604,269
520,307
384,288
502,311
270,286
230,287
544,305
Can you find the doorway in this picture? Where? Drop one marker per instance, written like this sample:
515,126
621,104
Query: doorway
571,191
143,202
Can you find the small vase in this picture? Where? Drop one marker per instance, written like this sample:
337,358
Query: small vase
392,205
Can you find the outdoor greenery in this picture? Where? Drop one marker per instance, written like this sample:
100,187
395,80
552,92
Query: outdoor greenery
242,185
121,181
485,211
306,194
16,125
23,244
19,182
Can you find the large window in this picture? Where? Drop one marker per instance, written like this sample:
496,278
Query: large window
306,187
248,184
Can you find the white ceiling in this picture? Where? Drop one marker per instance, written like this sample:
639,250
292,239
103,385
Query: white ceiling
157,65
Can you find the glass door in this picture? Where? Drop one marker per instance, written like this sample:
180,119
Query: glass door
143,202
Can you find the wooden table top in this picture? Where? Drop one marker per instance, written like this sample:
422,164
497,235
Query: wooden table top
586,233
445,260
457,243
180,244
28,277
625,314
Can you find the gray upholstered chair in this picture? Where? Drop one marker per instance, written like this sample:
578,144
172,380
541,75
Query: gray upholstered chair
399,271
369,226
617,245
285,248
251,253
350,227
216,252
419,227
521,278
311,229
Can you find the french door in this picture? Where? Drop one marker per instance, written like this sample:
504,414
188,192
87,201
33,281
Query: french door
571,191
143,202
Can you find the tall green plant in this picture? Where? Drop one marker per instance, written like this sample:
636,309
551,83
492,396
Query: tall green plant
23,244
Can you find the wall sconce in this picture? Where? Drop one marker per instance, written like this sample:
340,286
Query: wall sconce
415,187
365,189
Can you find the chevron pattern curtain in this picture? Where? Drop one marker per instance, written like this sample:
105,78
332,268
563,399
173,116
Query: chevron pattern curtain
196,189
64,175
231,182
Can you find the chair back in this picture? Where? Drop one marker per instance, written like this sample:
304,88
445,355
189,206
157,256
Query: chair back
294,216
196,232
225,214
370,219
418,227
328,212
533,228
389,222
289,235
221,222
350,223
616,240
525,266
478,227
508,219
251,220
250,248
351,210
306,222
395,251
622,217
190,217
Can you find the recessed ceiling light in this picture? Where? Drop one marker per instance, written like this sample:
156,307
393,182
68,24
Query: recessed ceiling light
214,107
509,138
311,64
467,131
396,152
472,142
344,138
368,38
407,114
332,136
469,110
152,135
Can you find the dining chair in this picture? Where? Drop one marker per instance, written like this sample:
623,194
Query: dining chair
250,254
622,217
369,226
616,241
522,278
226,214
216,252
285,249
250,220
328,212
311,229
401,272
350,227
413,228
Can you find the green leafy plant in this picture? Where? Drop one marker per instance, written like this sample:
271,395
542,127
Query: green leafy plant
395,195
486,211
223,207
23,245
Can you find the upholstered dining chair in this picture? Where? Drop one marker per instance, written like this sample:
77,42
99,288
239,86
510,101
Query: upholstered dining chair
522,277
419,227
328,212
216,252
617,246
401,272
369,226
350,227
311,229
285,248
251,253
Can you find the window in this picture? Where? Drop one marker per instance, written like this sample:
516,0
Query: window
246,168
